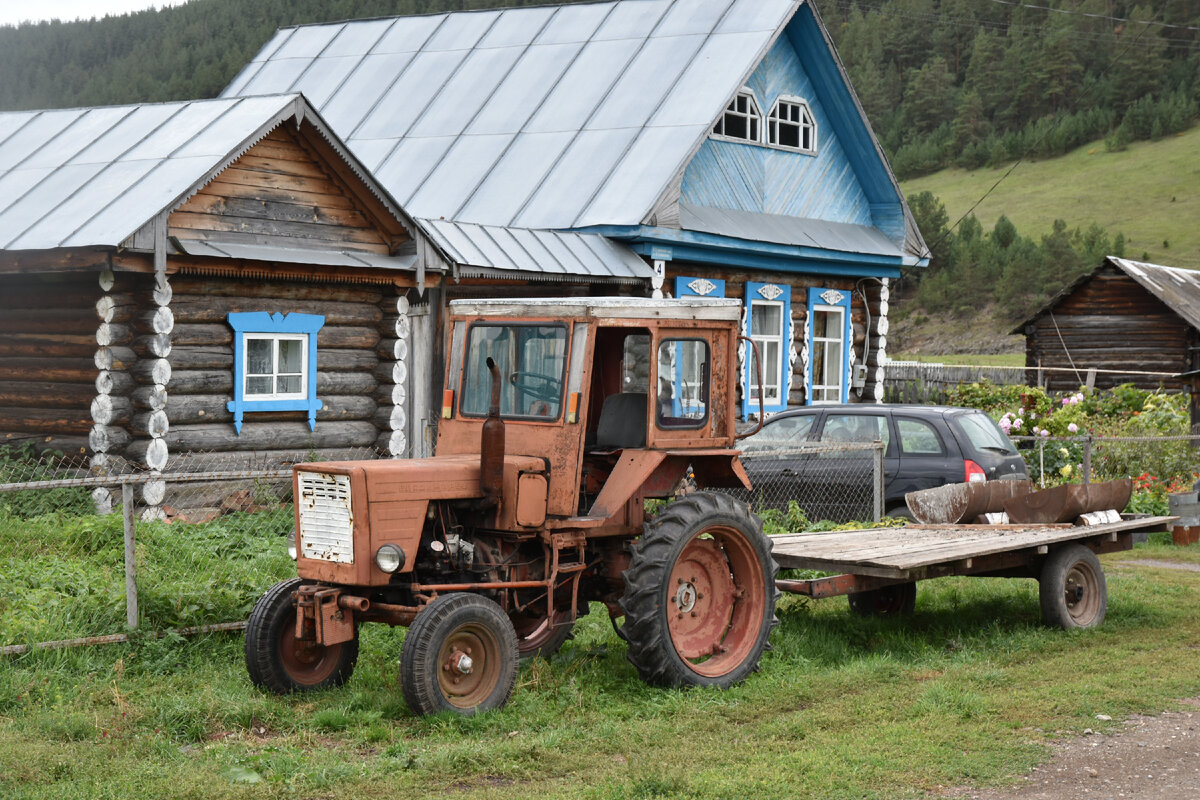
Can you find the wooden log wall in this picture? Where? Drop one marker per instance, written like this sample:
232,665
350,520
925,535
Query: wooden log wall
47,372
874,311
1109,322
349,369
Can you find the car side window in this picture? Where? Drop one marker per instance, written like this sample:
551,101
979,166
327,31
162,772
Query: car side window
781,432
856,428
919,438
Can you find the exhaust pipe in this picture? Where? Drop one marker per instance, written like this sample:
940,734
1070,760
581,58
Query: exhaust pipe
491,445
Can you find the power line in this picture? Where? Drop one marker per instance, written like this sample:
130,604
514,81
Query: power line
1097,16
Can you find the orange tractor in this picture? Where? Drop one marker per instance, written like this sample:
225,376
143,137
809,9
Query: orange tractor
561,418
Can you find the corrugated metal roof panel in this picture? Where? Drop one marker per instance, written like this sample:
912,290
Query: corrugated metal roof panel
840,236
454,107
575,178
289,255
523,91
632,20
574,23
373,76
359,38
535,253
1178,288
519,28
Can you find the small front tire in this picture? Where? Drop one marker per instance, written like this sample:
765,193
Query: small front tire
279,662
1072,589
460,655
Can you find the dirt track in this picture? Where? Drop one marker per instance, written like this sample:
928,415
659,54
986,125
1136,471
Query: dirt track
1155,758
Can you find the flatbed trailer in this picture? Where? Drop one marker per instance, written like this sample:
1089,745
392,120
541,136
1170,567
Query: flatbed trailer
878,567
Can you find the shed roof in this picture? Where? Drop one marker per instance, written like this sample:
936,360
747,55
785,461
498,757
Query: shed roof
88,177
485,250
536,117
1177,288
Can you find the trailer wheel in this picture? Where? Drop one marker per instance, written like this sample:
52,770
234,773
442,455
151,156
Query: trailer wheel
460,655
281,663
700,594
890,601
1072,589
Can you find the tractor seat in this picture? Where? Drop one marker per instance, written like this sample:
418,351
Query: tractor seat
622,424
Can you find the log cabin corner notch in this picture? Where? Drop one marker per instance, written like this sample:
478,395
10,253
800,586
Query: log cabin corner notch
141,231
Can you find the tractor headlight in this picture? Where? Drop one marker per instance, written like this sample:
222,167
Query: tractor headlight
389,558
291,540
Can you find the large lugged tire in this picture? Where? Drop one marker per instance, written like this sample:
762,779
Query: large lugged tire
700,594
460,655
1072,589
896,600
281,663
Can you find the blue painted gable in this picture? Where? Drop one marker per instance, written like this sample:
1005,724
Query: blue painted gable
750,177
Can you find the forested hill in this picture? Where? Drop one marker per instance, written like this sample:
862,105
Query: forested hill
966,82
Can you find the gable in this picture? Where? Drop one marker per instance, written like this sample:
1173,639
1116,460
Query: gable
285,192
770,180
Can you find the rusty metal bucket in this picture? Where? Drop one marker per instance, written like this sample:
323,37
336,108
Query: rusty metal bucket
963,502
1066,503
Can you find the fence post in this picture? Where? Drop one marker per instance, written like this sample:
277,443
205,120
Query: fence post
878,482
131,598
1087,458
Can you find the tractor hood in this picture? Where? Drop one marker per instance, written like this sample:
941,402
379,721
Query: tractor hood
437,478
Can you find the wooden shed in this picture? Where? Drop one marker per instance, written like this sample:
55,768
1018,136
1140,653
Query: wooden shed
1132,322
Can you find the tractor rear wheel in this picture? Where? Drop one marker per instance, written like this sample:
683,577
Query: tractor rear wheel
281,663
538,635
460,655
700,594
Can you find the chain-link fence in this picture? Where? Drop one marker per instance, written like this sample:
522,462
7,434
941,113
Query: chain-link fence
839,482
87,549
1172,461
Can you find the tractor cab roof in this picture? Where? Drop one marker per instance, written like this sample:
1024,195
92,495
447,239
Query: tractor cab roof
601,308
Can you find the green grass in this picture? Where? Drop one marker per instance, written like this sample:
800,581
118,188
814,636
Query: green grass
1147,192
972,359
969,691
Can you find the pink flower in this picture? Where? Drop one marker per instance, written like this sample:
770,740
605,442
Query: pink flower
1066,400
1073,428
1045,432
1016,423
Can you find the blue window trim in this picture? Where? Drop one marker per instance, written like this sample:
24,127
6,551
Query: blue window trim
815,298
692,286
244,322
754,292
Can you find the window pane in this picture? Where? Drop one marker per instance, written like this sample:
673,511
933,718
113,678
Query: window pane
781,432
825,324
682,395
258,357
766,319
288,384
833,365
771,369
919,438
531,360
856,428
258,385
291,356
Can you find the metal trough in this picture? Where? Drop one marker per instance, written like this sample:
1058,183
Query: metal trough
1067,502
963,502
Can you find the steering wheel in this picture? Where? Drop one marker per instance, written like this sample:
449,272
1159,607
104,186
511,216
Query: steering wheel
542,387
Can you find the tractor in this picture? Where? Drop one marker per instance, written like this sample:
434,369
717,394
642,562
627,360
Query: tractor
560,420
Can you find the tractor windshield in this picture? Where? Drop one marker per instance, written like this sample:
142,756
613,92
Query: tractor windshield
531,359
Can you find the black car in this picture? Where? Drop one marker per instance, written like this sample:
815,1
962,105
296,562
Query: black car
925,446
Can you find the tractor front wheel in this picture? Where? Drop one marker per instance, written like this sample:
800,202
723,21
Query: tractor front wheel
281,663
460,655
700,594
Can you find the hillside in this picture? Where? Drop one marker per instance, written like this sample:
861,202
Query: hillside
1150,193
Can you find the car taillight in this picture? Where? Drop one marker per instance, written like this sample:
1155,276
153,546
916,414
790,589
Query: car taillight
975,473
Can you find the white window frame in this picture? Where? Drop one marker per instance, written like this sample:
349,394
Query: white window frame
807,124
275,374
752,114
824,342
772,383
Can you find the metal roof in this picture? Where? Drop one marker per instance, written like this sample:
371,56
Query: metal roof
537,255
290,255
803,232
87,177
1177,288
536,117
603,307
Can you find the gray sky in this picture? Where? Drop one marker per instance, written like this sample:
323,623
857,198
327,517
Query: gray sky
15,11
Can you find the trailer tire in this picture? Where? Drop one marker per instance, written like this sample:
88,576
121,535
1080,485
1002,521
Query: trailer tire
1072,589
280,663
897,600
700,594
451,627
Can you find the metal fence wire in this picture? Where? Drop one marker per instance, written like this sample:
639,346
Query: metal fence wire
839,482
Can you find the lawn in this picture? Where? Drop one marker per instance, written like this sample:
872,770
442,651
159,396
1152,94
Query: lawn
1147,192
969,691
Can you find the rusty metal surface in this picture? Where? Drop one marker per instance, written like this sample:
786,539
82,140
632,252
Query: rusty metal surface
963,502
1067,502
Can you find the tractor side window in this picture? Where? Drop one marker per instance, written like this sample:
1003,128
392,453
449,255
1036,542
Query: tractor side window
682,392
531,359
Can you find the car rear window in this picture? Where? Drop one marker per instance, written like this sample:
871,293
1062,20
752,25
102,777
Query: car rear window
918,438
984,433
856,428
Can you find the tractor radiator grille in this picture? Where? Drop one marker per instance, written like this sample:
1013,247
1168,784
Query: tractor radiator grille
326,518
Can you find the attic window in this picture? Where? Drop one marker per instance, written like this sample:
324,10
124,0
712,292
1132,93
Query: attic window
791,125
742,119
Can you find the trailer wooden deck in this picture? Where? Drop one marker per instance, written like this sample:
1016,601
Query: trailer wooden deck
919,551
